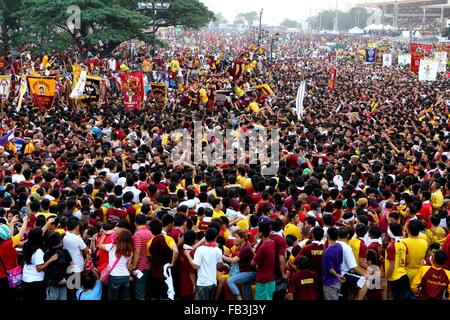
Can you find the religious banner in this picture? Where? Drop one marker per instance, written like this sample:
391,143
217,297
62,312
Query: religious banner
387,59
133,89
371,55
428,70
381,51
419,52
441,57
43,91
5,86
159,93
404,59
91,94
332,77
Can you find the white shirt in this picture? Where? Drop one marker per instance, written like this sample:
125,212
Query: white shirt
17,178
120,270
349,261
112,64
191,203
207,258
30,273
136,193
74,244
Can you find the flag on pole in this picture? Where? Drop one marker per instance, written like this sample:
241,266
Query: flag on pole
22,91
300,98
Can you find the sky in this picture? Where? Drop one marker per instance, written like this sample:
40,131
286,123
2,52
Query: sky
276,11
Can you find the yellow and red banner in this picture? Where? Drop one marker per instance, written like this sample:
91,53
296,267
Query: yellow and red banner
133,89
332,76
418,52
159,93
43,90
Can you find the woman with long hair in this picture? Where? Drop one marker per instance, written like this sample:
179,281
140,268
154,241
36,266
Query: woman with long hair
247,273
34,266
120,259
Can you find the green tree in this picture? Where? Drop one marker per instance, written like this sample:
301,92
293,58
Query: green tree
191,14
103,20
346,20
8,23
43,23
287,23
220,19
248,18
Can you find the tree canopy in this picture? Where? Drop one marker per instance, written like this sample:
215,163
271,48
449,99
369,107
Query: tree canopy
248,18
346,20
44,24
287,23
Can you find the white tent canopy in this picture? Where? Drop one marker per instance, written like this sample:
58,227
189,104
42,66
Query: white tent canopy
374,27
356,30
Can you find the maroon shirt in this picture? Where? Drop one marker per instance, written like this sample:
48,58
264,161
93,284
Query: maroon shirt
265,261
303,285
245,255
281,247
314,252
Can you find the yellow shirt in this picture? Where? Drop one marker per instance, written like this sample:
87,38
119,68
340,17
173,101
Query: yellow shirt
254,107
292,229
175,65
47,215
217,214
437,199
436,236
15,240
416,251
396,252
355,244
244,182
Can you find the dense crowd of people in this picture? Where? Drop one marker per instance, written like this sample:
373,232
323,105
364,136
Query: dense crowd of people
94,207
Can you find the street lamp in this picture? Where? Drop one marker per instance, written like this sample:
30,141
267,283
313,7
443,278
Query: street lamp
154,6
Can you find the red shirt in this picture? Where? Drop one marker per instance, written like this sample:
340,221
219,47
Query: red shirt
103,255
303,285
185,285
115,215
434,284
426,212
265,258
446,248
281,246
314,252
176,233
8,257
140,239
245,255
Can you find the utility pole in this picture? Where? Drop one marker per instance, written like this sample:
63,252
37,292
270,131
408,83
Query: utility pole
396,13
336,25
260,27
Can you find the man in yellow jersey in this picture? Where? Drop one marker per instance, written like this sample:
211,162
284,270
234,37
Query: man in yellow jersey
416,249
292,227
395,261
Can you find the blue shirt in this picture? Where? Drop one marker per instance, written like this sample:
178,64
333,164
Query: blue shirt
332,259
94,294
